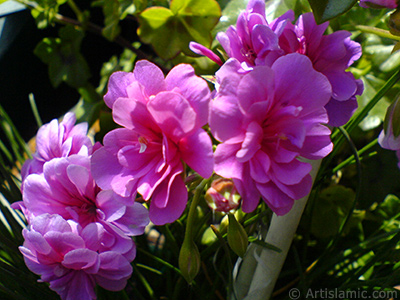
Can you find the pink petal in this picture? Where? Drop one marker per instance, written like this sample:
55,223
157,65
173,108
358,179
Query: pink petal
226,164
117,85
343,84
259,167
196,150
251,143
150,77
63,242
114,271
201,50
255,92
109,174
296,191
134,115
169,201
139,163
296,83
224,109
79,259
173,114
290,173
279,202
247,190
194,89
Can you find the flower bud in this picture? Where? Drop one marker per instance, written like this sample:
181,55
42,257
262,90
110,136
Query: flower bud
237,236
390,136
189,260
222,196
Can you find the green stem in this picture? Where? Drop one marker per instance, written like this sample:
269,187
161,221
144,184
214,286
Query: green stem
359,177
352,157
192,211
161,261
35,110
76,10
378,31
145,283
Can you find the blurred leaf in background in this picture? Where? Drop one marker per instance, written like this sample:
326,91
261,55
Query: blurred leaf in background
170,30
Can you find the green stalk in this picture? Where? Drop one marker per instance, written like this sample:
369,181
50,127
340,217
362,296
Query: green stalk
35,110
378,31
189,255
76,10
192,211
352,157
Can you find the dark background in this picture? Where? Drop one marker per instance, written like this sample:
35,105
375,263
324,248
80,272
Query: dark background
22,73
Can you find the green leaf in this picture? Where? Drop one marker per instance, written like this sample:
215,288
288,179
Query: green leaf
45,11
325,10
171,30
111,21
229,14
116,10
330,210
64,59
377,113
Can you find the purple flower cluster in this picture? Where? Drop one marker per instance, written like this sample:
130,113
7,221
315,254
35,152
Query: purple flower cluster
161,132
254,42
78,234
266,119
282,84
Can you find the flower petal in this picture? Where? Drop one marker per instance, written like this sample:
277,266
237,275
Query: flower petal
117,85
173,114
196,150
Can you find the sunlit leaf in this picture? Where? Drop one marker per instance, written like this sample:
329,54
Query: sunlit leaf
169,31
116,10
376,114
325,10
45,11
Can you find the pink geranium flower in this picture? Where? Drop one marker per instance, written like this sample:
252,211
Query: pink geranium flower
330,54
71,258
67,188
378,3
58,140
161,120
266,119
254,42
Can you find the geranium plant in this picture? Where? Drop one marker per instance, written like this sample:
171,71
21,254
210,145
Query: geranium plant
229,150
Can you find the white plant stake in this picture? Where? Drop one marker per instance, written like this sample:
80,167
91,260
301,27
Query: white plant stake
259,272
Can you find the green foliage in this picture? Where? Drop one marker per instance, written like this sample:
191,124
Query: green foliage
169,30
331,208
115,11
63,57
325,10
45,12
